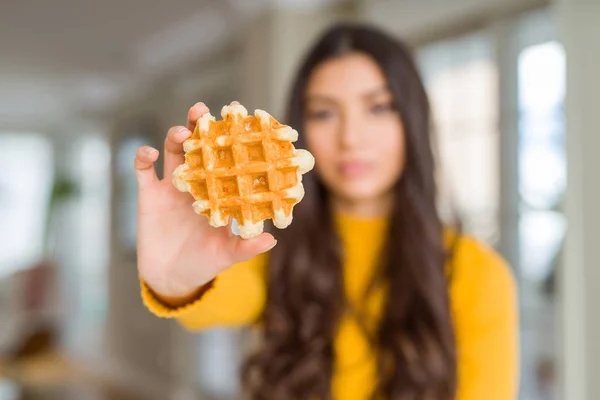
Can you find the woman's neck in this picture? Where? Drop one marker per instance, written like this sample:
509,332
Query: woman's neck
368,208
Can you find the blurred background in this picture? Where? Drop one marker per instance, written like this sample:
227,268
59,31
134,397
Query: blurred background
83,84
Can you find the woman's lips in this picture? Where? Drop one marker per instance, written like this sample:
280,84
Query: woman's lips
353,169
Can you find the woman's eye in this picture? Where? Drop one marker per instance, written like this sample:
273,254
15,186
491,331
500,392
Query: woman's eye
320,115
381,108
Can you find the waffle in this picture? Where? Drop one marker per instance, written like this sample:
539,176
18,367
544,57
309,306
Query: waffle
243,167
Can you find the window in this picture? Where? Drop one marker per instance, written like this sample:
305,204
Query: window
542,157
542,225
461,80
92,156
28,170
82,242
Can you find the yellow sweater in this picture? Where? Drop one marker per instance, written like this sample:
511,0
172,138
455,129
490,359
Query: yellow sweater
483,301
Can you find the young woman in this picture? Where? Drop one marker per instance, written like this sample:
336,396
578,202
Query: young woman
366,294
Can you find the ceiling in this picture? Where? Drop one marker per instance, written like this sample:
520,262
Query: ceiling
60,57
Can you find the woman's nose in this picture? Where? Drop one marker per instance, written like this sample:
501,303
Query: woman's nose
352,132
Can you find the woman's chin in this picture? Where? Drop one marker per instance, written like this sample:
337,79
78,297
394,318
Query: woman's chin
360,192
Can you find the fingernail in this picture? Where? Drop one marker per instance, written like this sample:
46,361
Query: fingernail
198,104
150,150
271,246
182,132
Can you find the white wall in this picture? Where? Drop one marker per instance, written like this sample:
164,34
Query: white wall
580,283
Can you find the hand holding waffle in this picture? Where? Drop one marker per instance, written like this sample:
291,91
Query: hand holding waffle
227,176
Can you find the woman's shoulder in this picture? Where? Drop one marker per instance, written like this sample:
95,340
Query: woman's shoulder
479,274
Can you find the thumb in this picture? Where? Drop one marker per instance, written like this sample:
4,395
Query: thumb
245,249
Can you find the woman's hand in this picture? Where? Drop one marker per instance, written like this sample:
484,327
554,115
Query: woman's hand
178,251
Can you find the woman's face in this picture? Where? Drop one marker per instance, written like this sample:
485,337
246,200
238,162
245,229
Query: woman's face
353,130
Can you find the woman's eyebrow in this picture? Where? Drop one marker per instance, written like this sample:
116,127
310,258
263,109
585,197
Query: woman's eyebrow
369,94
319,98
382,90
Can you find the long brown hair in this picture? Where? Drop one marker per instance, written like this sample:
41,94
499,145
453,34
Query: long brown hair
415,340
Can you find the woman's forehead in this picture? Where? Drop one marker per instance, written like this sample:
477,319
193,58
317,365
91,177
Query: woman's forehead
355,74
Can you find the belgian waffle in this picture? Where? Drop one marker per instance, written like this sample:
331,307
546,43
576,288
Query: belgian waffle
243,167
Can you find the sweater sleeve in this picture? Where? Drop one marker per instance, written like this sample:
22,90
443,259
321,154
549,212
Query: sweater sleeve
236,297
486,321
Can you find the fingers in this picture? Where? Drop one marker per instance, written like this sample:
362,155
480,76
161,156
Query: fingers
197,110
174,155
143,165
245,249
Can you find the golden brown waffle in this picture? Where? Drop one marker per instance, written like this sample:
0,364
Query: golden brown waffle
243,167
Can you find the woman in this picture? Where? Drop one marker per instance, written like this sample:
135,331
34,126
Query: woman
366,294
